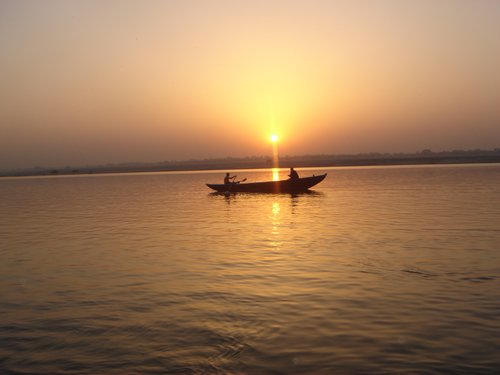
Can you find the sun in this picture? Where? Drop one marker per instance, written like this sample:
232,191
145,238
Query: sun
274,138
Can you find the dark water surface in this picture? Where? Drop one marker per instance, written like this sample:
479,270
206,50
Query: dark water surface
380,270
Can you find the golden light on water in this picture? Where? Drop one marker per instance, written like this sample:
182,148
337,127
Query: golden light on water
276,174
276,222
276,210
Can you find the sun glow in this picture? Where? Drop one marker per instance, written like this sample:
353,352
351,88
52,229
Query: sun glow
274,143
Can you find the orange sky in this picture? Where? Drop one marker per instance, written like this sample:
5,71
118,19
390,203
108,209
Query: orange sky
90,82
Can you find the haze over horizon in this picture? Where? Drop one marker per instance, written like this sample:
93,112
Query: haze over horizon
92,82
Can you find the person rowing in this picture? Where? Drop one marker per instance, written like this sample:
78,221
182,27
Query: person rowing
228,179
229,182
293,174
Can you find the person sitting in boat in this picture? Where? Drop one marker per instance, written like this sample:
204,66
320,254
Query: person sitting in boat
293,174
227,179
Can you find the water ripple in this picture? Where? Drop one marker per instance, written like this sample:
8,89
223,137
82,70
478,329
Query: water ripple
385,270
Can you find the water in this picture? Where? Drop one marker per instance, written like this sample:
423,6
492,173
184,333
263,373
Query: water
380,270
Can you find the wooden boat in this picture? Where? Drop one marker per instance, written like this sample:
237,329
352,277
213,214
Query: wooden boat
282,186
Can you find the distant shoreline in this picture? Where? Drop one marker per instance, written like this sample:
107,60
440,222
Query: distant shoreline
425,157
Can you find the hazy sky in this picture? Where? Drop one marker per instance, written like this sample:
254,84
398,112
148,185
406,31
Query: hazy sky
90,82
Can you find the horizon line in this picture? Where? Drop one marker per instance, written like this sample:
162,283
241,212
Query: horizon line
190,164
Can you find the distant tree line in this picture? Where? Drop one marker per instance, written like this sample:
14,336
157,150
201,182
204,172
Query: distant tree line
426,156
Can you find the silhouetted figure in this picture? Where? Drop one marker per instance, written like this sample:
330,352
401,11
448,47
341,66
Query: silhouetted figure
227,179
293,174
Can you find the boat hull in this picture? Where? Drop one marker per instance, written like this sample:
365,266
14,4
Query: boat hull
282,186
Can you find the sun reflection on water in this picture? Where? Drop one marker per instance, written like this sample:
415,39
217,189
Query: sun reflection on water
276,210
276,221
276,174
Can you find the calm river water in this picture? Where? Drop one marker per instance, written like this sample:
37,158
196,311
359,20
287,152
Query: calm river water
379,270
